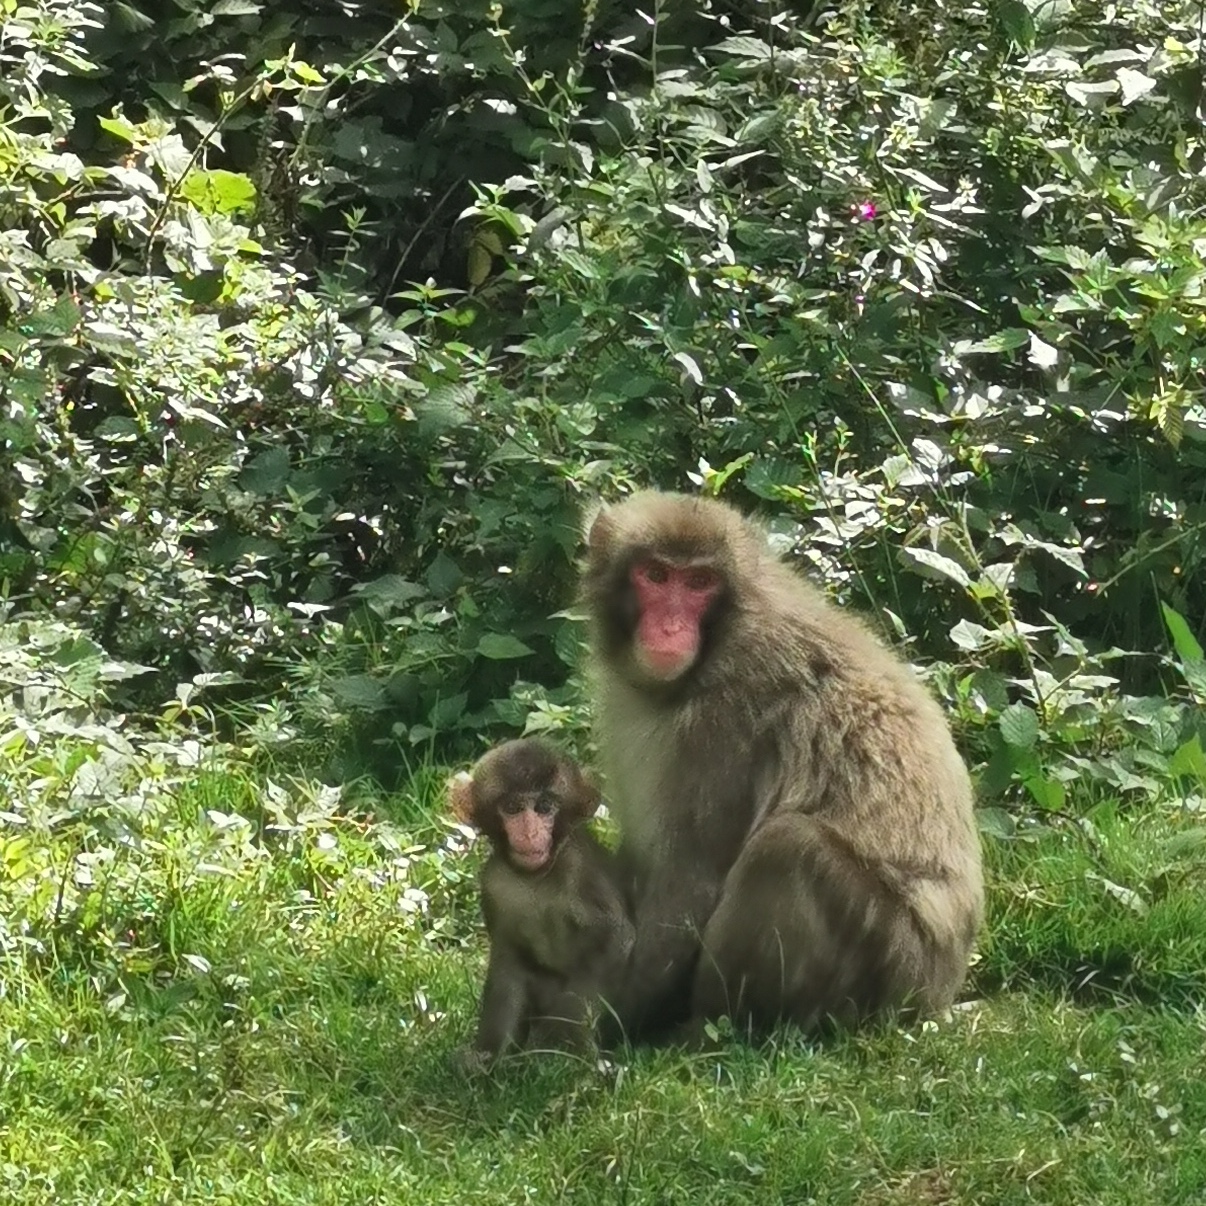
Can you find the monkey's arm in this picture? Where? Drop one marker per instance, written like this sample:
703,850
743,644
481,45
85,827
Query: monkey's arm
654,989
503,1014
564,1004
604,942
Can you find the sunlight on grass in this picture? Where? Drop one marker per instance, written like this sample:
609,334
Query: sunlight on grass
268,1015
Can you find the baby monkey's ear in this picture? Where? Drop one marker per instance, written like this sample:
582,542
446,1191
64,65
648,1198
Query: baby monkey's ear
462,801
579,797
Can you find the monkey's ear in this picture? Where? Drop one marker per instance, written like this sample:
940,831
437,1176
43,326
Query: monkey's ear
596,525
460,798
581,796
592,797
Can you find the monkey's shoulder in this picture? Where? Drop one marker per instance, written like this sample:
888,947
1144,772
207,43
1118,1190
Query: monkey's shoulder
801,651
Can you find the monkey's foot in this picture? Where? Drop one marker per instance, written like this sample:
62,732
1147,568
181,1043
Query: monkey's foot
470,1061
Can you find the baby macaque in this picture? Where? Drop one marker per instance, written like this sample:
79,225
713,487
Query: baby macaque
559,930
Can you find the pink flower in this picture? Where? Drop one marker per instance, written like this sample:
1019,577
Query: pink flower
864,211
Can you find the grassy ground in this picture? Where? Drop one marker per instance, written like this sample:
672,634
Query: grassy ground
264,1013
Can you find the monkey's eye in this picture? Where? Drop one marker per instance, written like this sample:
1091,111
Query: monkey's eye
545,805
700,578
653,571
512,806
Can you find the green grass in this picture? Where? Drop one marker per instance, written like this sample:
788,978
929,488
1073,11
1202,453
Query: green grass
270,1018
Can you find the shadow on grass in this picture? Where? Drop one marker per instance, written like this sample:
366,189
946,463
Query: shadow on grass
1090,977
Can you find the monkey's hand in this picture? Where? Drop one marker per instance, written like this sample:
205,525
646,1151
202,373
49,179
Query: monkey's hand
654,991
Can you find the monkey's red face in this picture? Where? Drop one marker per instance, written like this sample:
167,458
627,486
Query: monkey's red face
528,828
672,601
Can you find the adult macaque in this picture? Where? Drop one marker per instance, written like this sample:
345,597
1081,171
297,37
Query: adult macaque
559,932
796,823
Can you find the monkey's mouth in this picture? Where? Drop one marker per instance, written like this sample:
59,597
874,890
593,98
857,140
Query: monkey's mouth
663,666
529,860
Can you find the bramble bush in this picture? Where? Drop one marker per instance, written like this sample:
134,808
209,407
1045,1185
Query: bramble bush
315,335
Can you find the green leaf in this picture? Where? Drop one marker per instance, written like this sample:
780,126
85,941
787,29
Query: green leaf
1134,84
1015,20
690,367
1184,642
1189,761
996,775
446,406
306,73
267,473
119,128
390,589
1069,254
1002,341
969,636
77,650
930,564
498,646
129,20
992,688
1019,725
65,315
744,47
1194,673
1042,353
444,576
568,643
996,822
403,689
1169,417
770,477
714,480
359,691
1076,161
117,429
1091,94
758,129
106,337
447,711
1047,793
478,263
219,191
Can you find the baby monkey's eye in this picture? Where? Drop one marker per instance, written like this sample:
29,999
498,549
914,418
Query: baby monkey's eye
544,805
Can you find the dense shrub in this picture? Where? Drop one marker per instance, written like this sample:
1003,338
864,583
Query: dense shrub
316,330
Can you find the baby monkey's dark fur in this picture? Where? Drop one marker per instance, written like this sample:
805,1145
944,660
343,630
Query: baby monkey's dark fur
559,932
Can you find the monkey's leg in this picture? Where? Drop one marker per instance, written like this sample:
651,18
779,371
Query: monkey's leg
805,932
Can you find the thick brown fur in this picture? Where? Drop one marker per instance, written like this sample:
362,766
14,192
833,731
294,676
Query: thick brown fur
796,822
560,936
